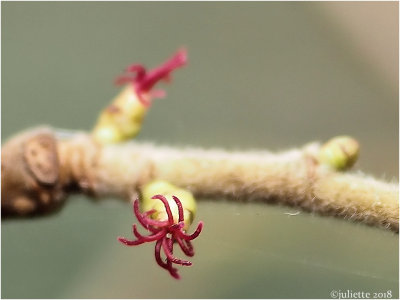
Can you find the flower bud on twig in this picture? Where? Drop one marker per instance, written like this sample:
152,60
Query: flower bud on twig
122,119
167,217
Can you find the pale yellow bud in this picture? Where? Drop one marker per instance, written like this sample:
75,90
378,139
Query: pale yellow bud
122,119
164,188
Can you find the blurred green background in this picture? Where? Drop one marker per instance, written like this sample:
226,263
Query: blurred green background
261,75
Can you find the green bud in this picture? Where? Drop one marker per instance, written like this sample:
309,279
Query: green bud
340,152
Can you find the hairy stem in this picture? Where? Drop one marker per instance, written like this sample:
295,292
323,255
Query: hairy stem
293,177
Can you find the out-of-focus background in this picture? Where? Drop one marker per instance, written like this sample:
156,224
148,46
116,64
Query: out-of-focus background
261,75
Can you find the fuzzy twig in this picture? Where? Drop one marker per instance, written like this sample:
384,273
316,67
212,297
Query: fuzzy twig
293,177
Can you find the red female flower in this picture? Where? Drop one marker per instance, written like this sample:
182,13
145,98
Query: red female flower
165,233
123,118
144,81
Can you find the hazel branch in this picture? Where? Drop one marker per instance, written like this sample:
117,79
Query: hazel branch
41,167
295,177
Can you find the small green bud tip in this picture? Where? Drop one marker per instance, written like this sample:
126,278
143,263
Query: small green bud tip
168,190
340,152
